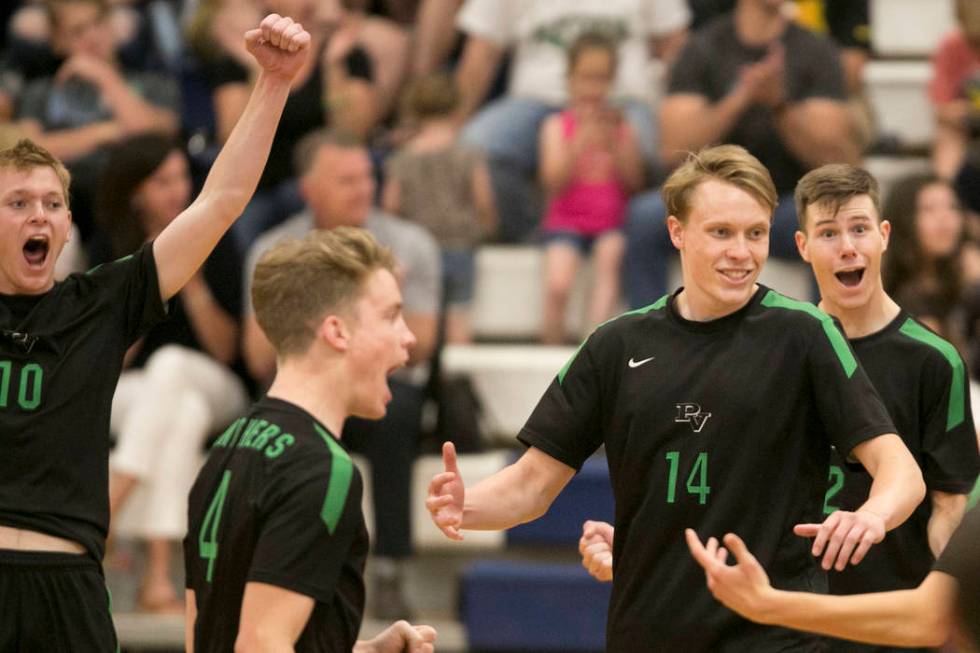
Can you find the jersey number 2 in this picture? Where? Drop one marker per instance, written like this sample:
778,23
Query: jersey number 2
836,478
207,539
28,388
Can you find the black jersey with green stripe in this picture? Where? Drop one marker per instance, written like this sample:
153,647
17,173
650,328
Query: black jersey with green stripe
923,383
719,426
61,353
278,502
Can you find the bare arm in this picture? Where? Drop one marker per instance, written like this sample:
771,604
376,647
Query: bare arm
475,72
72,143
666,46
918,617
519,493
947,512
272,619
898,487
819,131
213,326
896,491
280,45
630,167
135,113
435,34
689,122
190,618
391,195
557,157
950,140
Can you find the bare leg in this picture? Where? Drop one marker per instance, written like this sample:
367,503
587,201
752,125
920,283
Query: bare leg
607,266
121,486
561,265
158,593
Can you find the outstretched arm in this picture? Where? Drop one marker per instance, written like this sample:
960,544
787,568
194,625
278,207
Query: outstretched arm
896,491
518,493
918,617
280,46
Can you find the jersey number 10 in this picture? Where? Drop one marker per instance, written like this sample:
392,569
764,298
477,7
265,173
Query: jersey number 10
28,385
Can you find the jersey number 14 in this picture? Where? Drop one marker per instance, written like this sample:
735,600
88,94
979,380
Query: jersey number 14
697,480
207,538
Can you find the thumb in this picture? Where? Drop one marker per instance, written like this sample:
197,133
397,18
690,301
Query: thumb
449,458
807,530
253,38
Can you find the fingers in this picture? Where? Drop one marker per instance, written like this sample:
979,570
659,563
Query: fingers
698,550
279,32
741,552
806,530
449,457
440,480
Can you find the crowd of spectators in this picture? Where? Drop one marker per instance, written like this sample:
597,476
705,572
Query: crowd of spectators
440,125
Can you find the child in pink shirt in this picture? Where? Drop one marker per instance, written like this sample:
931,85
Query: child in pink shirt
590,164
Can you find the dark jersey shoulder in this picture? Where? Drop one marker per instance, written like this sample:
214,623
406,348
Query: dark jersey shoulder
278,502
923,383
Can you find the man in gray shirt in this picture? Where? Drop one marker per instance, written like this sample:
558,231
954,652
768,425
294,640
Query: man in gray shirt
337,184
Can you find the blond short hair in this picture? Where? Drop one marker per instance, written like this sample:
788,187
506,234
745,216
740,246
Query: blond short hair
731,164
25,155
833,185
299,282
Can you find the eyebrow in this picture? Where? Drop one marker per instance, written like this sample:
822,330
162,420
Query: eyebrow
860,217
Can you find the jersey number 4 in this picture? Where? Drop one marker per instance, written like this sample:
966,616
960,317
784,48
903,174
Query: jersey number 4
28,385
697,480
207,538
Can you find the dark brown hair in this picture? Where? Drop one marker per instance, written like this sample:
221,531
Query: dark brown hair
833,185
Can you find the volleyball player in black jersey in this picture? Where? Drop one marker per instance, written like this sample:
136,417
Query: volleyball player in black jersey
61,352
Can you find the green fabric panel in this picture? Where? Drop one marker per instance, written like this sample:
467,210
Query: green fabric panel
774,300
341,471
656,306
957,390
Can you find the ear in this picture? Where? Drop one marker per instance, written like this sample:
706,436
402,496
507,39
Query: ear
335,332
801,244
886,231
675,228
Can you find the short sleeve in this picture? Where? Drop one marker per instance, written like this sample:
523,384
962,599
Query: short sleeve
847,403
308,526
689,75
225,70
566,423
33,101
491,19
950,460
135,287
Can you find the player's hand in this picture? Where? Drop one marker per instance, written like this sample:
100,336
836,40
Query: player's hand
743,587
446,495
402,637
595,545
279,45
844,536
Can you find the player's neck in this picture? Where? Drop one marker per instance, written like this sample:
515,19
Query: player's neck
313,390
867,319
695,306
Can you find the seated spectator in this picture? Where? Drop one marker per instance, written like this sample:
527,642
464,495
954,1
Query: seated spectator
435,37
337,182
178,386
92,101
930,263
336,87
955,91
539,33
590,165
444,186
755,79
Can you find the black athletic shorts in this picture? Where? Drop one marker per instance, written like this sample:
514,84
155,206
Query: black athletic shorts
54,603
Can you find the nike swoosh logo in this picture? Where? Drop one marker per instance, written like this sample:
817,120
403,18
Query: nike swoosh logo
634,363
